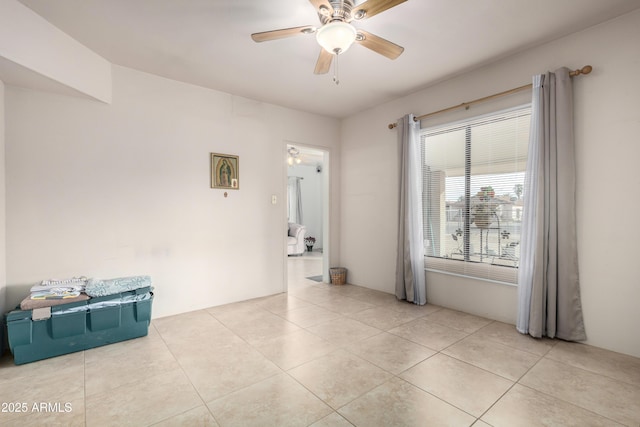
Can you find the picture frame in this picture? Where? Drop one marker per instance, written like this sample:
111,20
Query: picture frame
225,171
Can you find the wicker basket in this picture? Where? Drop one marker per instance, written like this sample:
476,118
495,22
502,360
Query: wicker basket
338,275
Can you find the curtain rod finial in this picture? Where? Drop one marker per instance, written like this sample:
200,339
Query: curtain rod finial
392,125
584,70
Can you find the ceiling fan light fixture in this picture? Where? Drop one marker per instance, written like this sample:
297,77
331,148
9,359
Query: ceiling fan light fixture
336,37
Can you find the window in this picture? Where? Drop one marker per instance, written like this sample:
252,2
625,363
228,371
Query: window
473,175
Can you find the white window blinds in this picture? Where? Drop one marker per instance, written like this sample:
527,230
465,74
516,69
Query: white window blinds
473,175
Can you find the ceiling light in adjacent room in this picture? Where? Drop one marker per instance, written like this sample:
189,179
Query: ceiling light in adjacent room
293,156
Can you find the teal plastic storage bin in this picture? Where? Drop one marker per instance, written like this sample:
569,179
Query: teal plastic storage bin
66,332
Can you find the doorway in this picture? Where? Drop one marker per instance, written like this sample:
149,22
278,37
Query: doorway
307,204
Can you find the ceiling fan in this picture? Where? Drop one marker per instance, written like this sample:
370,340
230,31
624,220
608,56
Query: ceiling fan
336,34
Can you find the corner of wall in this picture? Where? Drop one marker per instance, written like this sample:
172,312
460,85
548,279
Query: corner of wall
28,40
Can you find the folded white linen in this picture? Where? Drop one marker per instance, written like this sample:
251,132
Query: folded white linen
74,284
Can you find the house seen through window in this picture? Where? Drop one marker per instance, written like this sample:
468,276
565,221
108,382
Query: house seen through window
473,197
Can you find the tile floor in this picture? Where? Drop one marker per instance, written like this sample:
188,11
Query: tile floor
325,355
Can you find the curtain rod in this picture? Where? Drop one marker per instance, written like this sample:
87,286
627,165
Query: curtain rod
584,70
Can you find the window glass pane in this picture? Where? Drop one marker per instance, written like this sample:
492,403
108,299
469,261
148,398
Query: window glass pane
472,201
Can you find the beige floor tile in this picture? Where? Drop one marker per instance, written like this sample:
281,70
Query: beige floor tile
384,318
275,367
215,338
62,412
430,334
610,398
332,420
126,362
180,324
458,320
409,307
295,284
313,294
347,289
506,334
339,377
143,403
188,327
281,303
294,349
398,403
63,382
493,357
277,401
56,380
10,371
345,305
212,342
370,296
310,315
614,365
260,326
343,331
197,417
196,332
390,352
219,371
305,265
465,386
234,311
524,407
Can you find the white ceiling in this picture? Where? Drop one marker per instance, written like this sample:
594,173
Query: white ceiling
207,43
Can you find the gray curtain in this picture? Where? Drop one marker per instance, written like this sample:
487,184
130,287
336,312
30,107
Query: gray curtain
548,284
410,276
294,199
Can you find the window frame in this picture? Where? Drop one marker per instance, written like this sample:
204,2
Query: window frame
467,268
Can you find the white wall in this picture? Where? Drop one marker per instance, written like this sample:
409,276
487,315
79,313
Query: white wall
606,130
311,190
3,265
123,189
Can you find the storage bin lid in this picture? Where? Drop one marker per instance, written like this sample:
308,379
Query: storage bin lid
18,315
68,306
133,292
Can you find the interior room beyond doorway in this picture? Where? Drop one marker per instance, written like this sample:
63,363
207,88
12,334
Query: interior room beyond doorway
306,192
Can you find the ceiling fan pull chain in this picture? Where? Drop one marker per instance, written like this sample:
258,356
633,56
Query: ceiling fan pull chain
336,80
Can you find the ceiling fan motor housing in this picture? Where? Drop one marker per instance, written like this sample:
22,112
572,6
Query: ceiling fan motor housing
341,12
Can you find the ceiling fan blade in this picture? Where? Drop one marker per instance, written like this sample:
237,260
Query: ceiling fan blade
373,7
322,6
324,62
379,45
280,34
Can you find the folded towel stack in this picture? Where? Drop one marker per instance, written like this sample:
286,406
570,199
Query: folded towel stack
102,288
58,289
49,293
52,292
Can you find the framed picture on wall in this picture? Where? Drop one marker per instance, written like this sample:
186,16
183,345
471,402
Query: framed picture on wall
225,172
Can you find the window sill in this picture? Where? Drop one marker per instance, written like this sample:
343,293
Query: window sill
472,270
